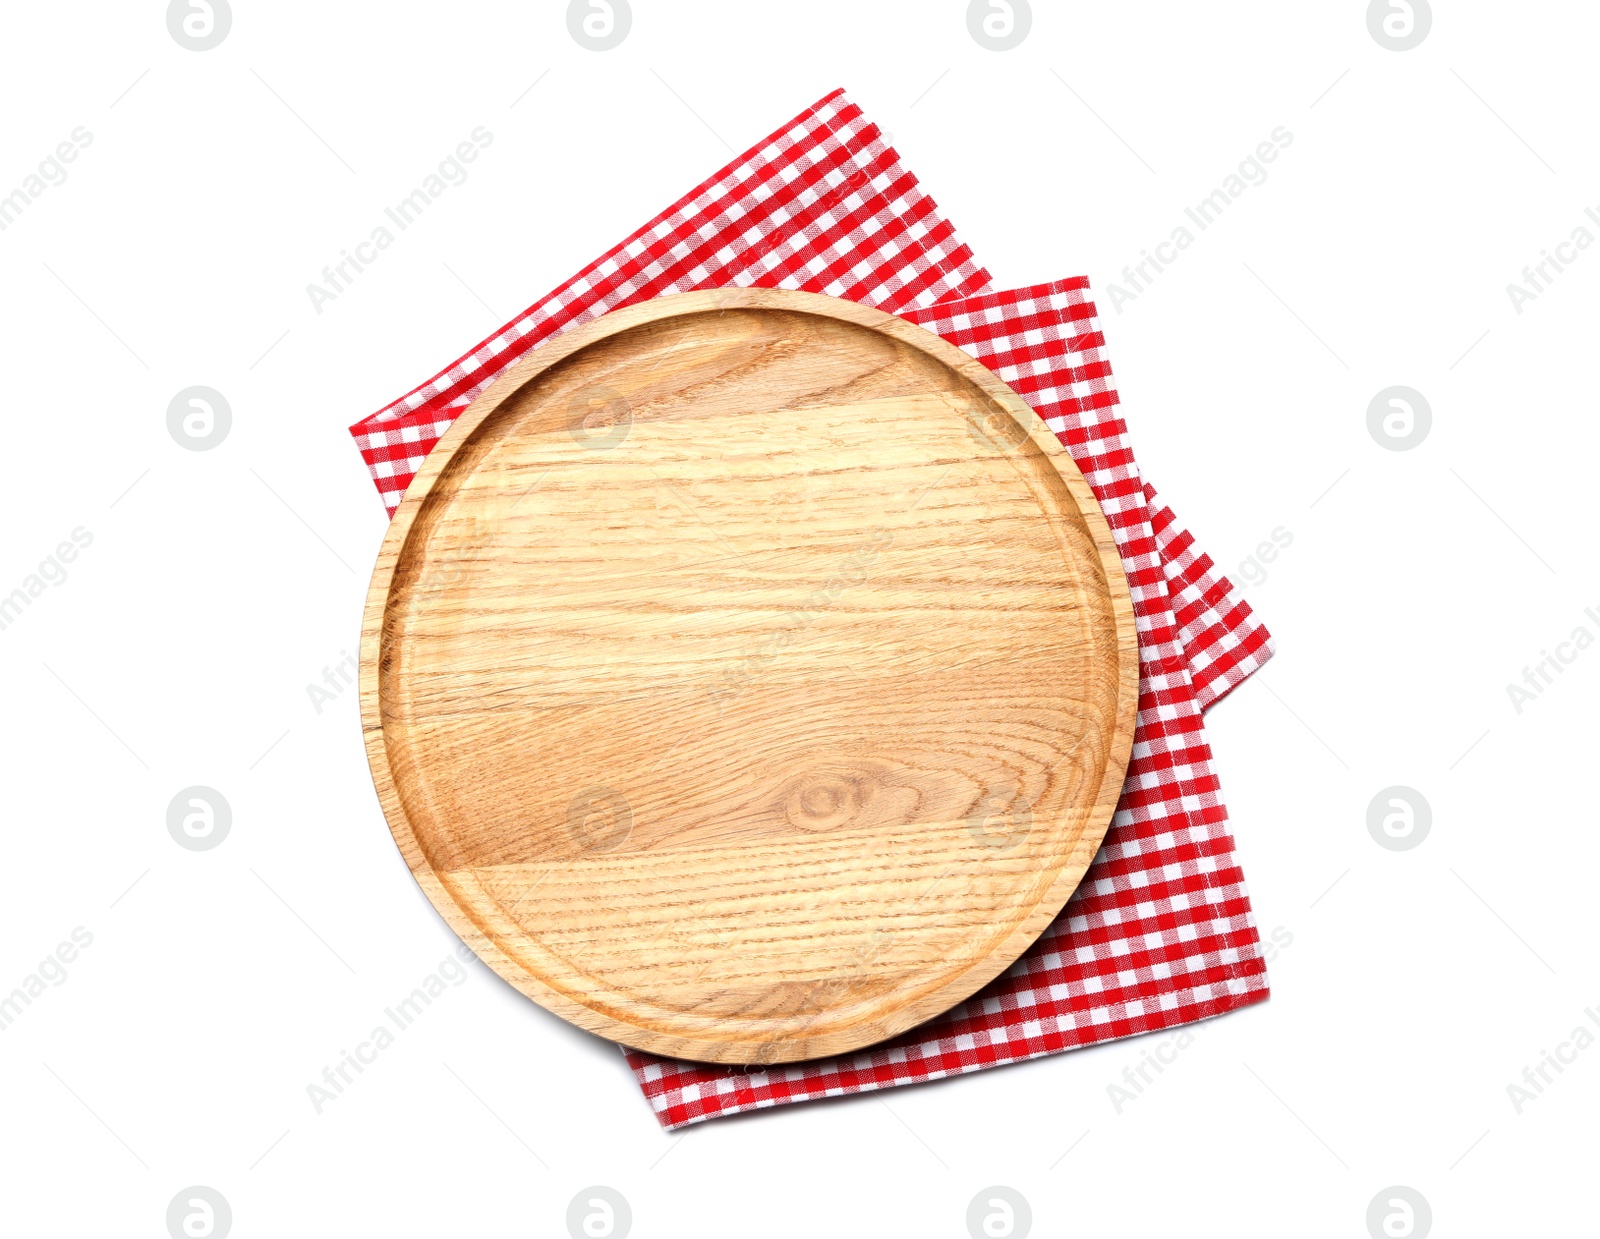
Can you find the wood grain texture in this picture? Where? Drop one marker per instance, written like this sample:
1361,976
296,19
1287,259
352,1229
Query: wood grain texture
748,676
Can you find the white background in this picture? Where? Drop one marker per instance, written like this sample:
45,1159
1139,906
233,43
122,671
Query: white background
178,651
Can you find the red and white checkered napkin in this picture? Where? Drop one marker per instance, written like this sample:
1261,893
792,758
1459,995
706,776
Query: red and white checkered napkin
1160,931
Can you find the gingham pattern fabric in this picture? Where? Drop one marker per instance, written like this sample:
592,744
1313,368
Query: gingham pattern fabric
1159,932
822,205
1161,935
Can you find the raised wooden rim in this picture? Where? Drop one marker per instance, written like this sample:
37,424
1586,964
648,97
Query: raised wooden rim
961,986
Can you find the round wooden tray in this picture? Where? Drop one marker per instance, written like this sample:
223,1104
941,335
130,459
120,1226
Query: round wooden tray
748,676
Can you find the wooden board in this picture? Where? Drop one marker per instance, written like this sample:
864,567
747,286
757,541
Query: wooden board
748,676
